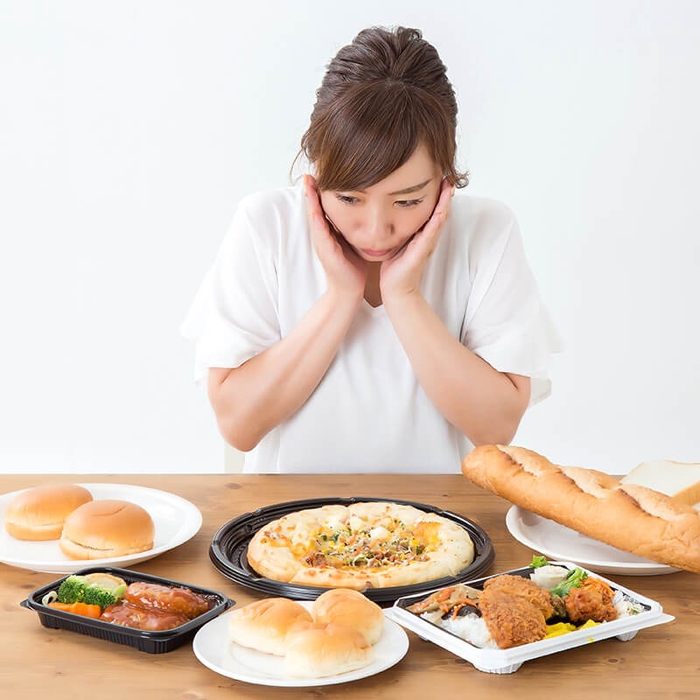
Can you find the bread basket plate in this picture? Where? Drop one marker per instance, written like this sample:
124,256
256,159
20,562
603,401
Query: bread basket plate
229,546
213,649
558,542
176,521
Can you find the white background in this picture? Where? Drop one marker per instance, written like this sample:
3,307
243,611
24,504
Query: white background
129,131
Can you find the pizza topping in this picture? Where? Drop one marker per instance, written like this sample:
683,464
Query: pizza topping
362,545
366,547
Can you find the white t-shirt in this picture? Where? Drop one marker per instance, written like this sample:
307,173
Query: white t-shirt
369,413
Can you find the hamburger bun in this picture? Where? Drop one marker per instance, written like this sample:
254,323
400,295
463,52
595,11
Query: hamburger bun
39,513
343,606
317,651
266,624
107,528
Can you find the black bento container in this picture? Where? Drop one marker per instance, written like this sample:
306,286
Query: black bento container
150,642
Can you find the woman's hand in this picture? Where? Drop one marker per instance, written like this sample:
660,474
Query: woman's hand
345,271
402,274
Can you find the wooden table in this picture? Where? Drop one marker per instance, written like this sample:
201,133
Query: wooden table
660,662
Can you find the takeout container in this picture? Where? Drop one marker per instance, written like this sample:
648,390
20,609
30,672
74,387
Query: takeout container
510,660
151,642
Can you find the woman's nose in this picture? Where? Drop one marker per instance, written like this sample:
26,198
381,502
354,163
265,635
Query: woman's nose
379,225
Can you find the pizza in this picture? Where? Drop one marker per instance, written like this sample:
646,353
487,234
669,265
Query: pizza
369,544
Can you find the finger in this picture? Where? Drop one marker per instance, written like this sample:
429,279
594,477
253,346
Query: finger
310,191
309,182
446,192
426,239
315,211
434,224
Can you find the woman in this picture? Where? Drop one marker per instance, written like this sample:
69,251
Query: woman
366,320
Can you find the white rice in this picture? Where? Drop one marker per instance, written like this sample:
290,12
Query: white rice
625,605
471,628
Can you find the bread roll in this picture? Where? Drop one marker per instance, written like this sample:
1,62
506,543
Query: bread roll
265,624
343,606
627,516
679,480
39,513
317,651
107,528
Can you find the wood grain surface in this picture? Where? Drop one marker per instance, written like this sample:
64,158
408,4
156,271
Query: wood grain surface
37,662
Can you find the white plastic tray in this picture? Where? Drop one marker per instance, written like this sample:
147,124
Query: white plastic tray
510,660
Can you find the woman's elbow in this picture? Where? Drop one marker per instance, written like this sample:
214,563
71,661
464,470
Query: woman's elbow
234,423
500,431
493,435
503,428
236,427
237,435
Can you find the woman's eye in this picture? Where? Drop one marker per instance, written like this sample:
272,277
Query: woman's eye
346,198
406,203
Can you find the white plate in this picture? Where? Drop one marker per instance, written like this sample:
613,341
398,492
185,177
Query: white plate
176,520
213,648
558,542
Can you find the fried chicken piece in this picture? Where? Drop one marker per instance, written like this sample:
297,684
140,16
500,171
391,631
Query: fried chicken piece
523,588
511,619
593,600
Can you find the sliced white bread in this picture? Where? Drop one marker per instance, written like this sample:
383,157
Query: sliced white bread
679,480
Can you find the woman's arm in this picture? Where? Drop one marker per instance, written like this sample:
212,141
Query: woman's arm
484,404
252,399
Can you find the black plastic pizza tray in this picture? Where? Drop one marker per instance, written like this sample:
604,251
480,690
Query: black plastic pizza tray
228,551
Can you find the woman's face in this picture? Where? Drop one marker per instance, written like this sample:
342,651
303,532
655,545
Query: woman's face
378,221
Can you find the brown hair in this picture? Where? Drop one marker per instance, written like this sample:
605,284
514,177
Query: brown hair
381,96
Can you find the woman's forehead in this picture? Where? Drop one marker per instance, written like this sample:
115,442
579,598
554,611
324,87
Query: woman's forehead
416,173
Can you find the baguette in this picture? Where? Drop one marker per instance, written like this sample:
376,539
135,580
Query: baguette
630,517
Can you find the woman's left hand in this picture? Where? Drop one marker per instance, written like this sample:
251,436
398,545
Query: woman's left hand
402,274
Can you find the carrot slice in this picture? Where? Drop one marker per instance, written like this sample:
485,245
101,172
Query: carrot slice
83,609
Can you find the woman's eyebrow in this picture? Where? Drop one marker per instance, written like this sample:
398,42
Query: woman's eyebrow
410,190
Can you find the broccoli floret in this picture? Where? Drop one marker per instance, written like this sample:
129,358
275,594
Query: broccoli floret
79,589
72,590
98,596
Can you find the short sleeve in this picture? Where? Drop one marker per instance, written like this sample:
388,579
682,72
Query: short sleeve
506,323
234,315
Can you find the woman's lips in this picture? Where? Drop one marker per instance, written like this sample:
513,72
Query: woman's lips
376,253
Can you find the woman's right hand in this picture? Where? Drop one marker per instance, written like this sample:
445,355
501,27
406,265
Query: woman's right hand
345,271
